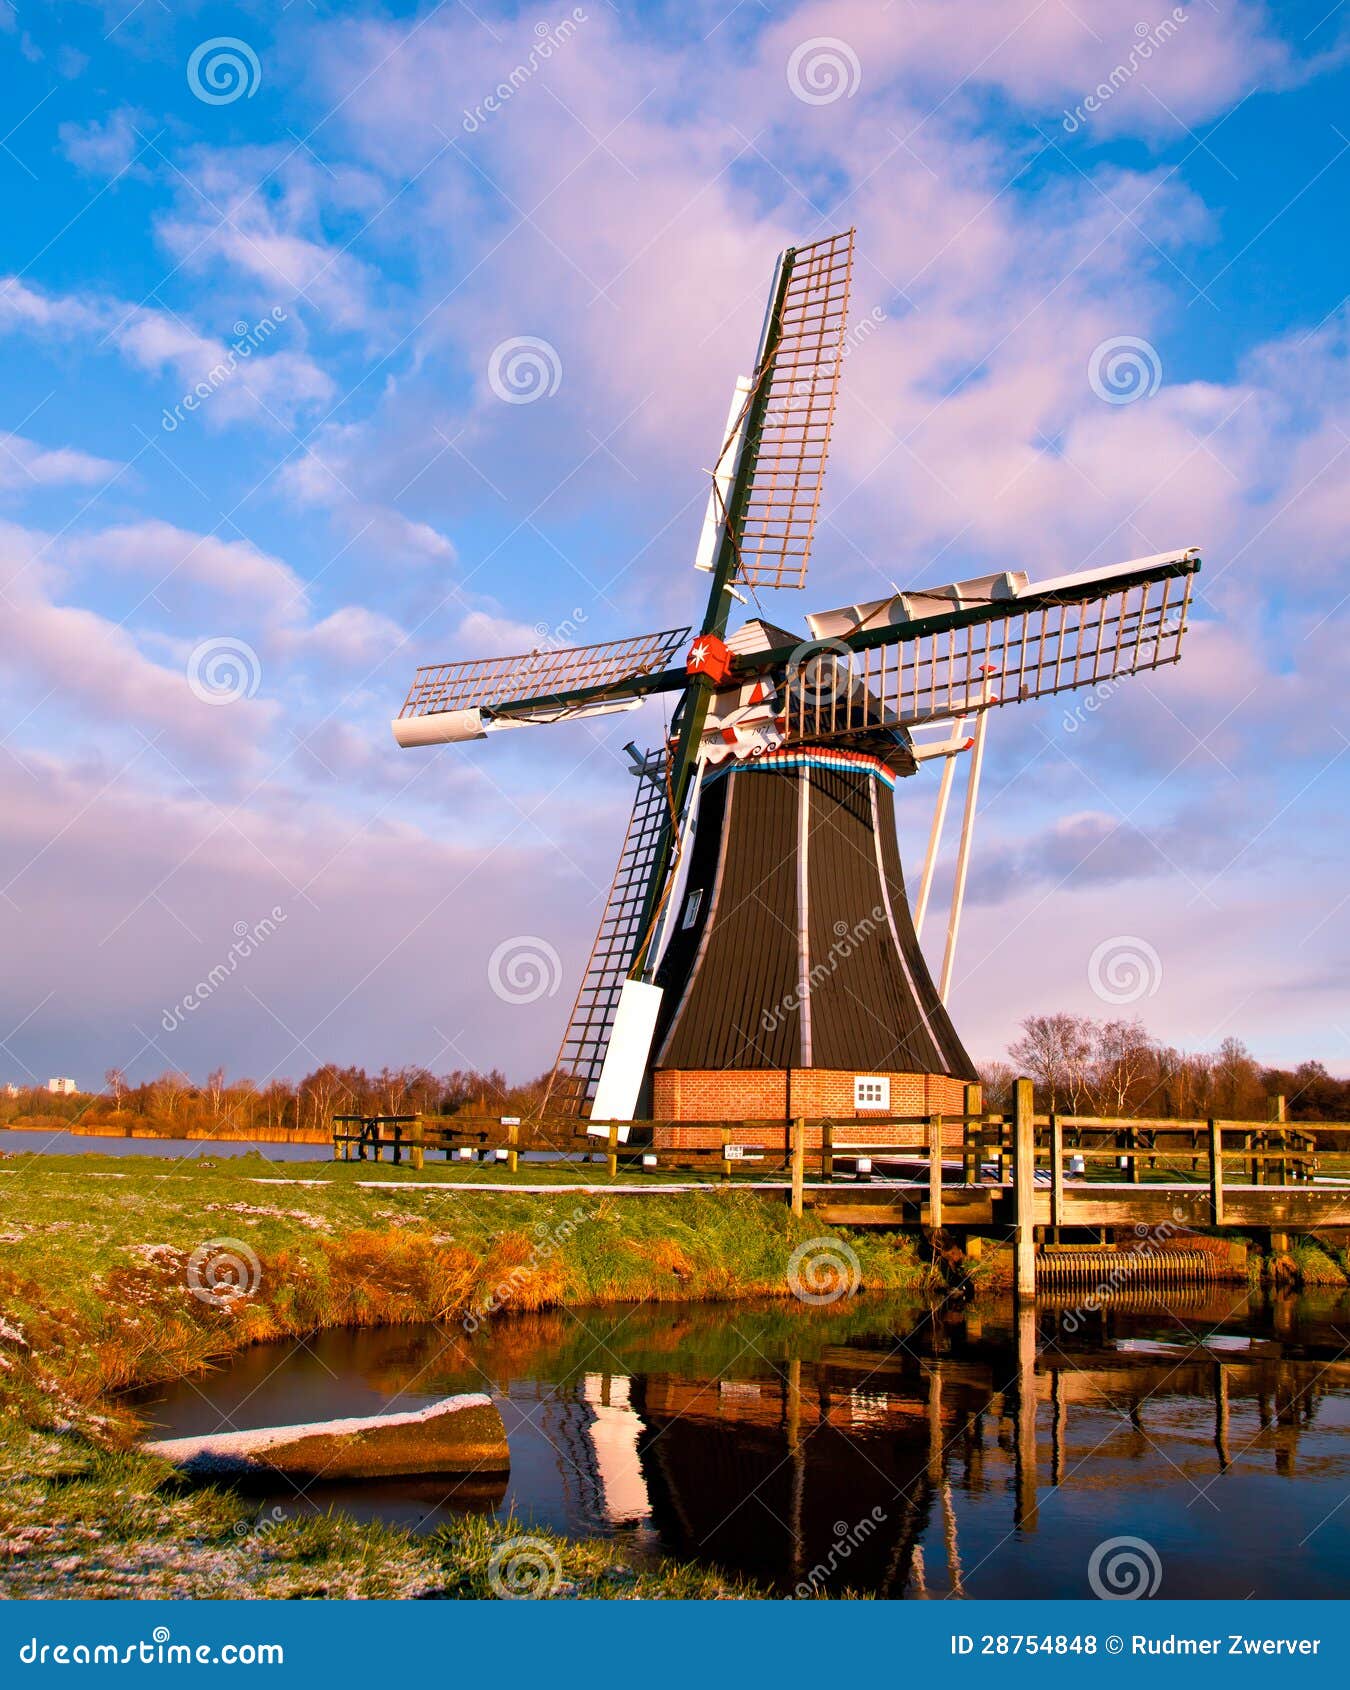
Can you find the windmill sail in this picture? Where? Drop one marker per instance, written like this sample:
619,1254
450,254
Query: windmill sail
581,1055
465,700
798,383
1075,631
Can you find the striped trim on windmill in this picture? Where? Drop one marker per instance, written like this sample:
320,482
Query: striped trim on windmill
757,954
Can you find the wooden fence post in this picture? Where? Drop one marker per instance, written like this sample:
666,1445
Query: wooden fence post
935,1171
827,1150
612,1143
1276,1114
798,1163
1024,1187
513,1147
1056,1174
416,1155
970,1151
726,1160
1215,1174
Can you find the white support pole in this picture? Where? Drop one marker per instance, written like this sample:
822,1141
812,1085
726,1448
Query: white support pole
935,835
963,853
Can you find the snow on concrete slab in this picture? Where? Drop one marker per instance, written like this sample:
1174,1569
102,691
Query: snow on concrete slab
455,1434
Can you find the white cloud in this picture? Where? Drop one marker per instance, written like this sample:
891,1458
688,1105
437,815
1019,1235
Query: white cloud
225,381
157,551
91,673
258,213
356,638
24,464
334,474
105,148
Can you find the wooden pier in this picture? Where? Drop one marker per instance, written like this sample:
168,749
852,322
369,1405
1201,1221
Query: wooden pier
1026,1177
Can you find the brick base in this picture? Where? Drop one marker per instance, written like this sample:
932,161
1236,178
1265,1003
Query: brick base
761,1101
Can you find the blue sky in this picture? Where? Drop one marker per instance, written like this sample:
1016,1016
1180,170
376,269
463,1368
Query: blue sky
352,496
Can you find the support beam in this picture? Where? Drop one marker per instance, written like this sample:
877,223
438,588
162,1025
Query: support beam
1056,1174
1024,1188
944,793
1215,1174
935,1171
798,1163
963,852
970,1154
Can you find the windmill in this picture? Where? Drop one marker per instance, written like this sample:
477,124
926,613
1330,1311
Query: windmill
757,958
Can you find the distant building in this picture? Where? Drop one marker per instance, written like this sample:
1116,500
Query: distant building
11,1091
62,1088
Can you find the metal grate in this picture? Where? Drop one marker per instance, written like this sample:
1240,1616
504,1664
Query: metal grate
778,519
582,1052
1049,648
538,674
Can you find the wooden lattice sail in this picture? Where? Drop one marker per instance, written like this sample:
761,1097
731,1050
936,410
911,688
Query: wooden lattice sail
759,876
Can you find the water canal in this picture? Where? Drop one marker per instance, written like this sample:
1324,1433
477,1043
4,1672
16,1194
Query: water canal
877,1445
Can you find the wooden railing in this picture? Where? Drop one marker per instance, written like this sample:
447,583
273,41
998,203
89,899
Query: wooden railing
1001,1149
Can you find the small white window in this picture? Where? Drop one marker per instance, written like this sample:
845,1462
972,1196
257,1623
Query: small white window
692,904
871,1091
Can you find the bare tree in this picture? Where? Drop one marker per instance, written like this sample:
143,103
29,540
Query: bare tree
1122,1056
215,1087
1238,1091
996,1079
1056,1052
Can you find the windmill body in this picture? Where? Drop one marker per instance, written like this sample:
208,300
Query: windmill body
757,959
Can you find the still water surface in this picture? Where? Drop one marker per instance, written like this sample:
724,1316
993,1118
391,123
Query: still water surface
877,1445
89,1144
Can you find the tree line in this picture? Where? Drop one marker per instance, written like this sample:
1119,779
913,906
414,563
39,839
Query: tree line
1079,1066
174,1105
1083,1066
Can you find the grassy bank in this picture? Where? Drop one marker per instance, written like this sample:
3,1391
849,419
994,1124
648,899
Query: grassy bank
114,1273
